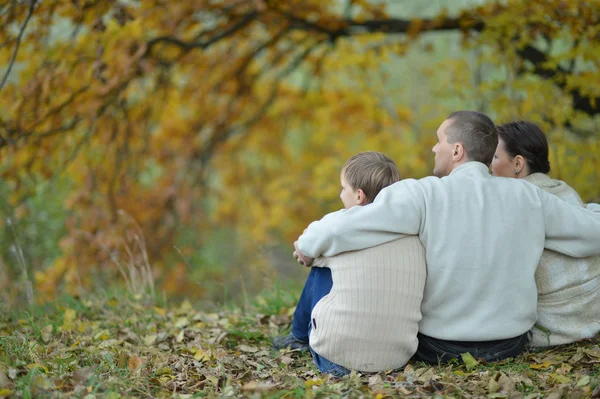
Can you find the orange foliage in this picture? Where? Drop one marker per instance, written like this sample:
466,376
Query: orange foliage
200,113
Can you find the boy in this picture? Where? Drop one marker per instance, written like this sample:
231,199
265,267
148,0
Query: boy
367,320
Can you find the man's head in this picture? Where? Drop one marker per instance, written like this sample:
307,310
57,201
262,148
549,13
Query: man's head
364,175
464,136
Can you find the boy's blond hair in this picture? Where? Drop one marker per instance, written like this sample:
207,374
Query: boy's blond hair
370,171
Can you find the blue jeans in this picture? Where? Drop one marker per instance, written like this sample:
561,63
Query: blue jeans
318,284
325,366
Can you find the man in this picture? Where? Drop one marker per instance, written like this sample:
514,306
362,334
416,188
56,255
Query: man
483,237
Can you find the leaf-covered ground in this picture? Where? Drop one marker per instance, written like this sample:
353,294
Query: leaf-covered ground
123,347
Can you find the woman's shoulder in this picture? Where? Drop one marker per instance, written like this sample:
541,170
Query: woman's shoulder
556,187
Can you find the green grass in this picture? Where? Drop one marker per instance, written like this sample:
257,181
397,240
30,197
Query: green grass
117,347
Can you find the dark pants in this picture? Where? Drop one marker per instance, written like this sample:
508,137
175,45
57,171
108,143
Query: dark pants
318,284
432,350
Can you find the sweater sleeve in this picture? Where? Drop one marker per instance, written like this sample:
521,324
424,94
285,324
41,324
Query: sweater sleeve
593,207
398,209
321,261
571,230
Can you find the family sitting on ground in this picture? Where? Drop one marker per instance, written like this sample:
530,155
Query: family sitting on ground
459,262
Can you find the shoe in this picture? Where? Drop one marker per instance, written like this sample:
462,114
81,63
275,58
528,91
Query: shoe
289,341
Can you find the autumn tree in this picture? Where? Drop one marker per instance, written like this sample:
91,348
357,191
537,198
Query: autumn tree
168,117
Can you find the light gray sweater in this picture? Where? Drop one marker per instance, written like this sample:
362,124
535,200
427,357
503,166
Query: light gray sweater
370,319
483,236
568,288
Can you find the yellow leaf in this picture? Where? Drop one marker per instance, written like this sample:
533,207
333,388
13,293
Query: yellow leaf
540,366
160,311
469,360
560,379
69,320
5,393
314,382
201,356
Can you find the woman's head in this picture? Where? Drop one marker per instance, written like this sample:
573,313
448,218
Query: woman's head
522,150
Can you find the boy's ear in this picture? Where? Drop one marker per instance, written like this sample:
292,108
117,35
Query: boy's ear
361,198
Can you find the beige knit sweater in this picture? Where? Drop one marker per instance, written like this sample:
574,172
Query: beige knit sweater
369,320
568,288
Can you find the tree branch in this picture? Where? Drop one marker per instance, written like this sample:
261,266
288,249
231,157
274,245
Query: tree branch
18,43
558,75
243,22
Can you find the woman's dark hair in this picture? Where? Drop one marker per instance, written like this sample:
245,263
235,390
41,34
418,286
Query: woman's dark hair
526,139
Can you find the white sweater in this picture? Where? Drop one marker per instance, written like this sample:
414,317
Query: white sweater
370,319
568,288
483,238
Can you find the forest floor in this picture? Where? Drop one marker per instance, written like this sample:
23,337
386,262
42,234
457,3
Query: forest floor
117,347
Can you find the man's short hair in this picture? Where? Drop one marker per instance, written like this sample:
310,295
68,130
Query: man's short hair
476,132
370,171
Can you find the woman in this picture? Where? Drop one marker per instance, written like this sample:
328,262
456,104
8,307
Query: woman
568,288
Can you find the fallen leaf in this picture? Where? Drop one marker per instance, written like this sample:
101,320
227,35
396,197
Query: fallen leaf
41,382
314,382
248,349
4,393
506,384
540,366
81,376
493,386
258,386
469,360
150,339
160,311
559,379
554,395
134,363
4,381
583,381
47,333
374,380
593,352
564,368
286,359
69,320
201,355
182,322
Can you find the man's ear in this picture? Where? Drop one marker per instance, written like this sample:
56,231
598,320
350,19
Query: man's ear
361,198
458,152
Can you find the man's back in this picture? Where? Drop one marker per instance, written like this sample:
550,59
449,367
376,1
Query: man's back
483,236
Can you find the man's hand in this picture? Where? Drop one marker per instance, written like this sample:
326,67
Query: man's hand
301,258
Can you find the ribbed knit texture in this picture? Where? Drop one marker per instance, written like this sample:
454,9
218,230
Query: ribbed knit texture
568,288
369,320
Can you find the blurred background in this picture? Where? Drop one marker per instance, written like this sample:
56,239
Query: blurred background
178,148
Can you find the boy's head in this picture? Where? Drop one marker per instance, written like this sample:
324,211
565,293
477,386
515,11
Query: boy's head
364,175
